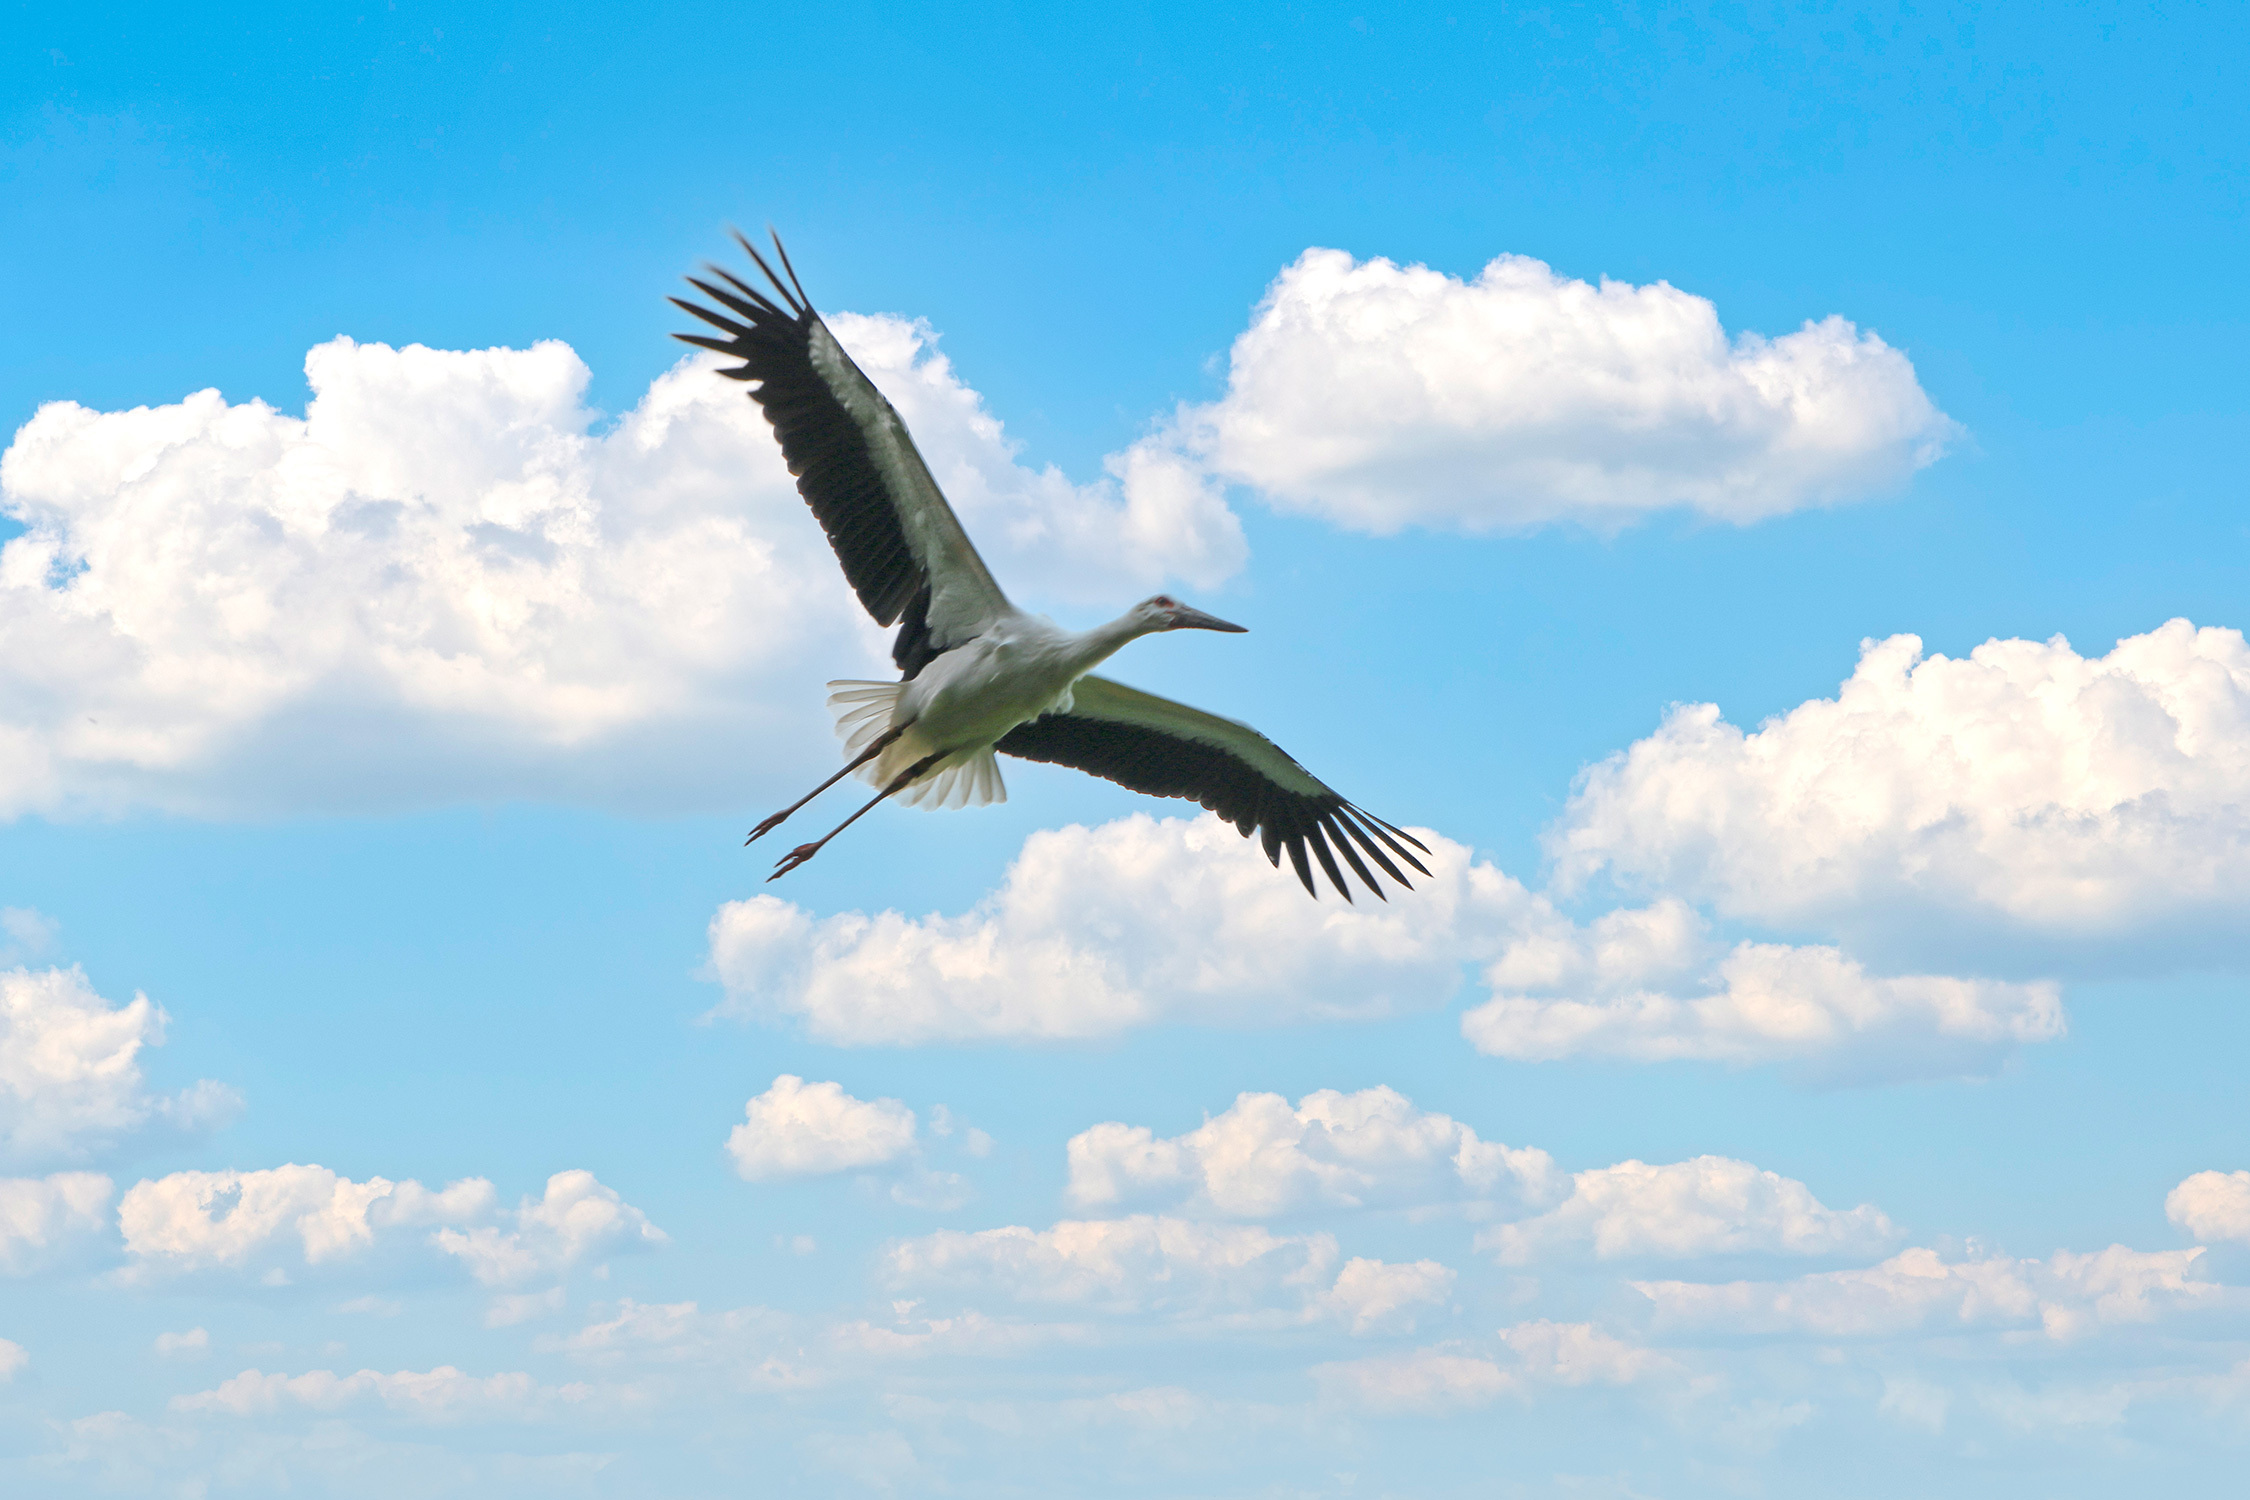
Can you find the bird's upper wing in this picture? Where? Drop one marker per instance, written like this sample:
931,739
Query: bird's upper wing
902,548
1168,749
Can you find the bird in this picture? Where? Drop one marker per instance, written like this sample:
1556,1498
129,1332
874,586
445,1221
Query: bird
978,676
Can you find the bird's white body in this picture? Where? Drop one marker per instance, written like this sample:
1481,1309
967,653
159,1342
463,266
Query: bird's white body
1020,667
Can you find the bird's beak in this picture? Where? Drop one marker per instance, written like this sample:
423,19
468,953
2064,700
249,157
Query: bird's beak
1196,619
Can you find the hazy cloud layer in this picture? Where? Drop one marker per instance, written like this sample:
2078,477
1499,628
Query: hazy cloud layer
2076,798
445,579
1172,1268
70,1075
2064,1296
1711,1205
42,1219
1381,396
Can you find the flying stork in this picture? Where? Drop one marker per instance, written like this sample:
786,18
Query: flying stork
978,674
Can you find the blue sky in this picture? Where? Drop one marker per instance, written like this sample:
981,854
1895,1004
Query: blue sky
1865,1049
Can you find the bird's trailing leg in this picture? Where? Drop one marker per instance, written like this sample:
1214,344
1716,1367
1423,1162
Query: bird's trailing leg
900,782
881,744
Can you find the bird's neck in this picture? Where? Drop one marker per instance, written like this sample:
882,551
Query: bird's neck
1090,648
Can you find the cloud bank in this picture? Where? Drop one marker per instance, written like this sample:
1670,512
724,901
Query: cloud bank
2024,786
1138,922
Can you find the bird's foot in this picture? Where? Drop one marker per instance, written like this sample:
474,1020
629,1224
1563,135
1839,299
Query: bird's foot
792,859
768,826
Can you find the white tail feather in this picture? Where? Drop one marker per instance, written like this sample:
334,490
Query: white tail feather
967,778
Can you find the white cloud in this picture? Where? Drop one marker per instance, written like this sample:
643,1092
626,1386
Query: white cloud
288,1218
70,1075
1580,1354
1262,1157
1711,1205
800,1129
287,1215
1646,985
12,1359
1141,921
441,1395
1099,929
1379,396
41,1217
2212,1206
193,1343
2065,1296
24,933
444,580
1172,1268
2068,796
576,1219
1424,1381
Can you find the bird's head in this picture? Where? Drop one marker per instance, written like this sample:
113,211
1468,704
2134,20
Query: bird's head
1163,612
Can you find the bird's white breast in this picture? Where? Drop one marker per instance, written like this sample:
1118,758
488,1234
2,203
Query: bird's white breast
972,695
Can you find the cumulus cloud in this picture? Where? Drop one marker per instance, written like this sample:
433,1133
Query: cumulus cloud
800,1129
1379,396
281,1220
2064,1296
2068,797
1648,986
192,1343
281,1216
1140,921
1263,1156
2212,1206
1099,929
1709,1206
441,1395
445,579
41,1218
70,1075
576,1219
1172,1268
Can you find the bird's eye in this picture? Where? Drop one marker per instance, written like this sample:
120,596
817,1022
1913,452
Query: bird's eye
1166,601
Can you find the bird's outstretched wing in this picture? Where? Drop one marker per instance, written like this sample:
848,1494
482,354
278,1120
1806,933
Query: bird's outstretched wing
1168,749
902,548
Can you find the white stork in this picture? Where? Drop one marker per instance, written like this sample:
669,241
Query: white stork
981,675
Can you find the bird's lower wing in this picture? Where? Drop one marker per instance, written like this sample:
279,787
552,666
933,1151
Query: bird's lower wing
1168,749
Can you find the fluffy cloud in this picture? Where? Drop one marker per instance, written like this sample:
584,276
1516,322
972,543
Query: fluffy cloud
288,1215
800,1129
287,1218
70,1076
440,1395
1262,1157
1379,396
446,581
1140,921
2065,1296
2067,796
1172,1268
1708,1206
576,1219
2212,1206
1096,930
1646,985
12,1359
41,1217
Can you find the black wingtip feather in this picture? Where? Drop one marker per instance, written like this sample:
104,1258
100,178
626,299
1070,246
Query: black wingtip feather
1303,867
1328,863
783,251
